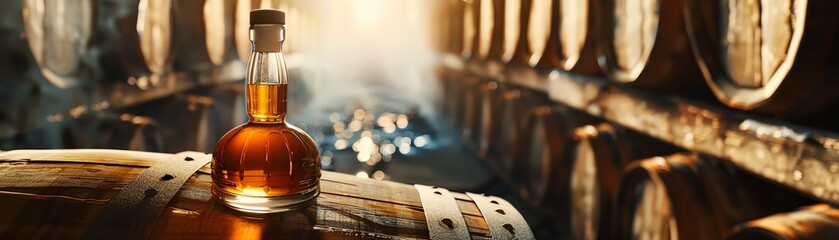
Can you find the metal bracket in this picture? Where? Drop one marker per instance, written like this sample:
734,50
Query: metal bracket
131,213
503,220
442,213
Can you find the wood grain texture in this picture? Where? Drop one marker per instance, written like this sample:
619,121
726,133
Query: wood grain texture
53,196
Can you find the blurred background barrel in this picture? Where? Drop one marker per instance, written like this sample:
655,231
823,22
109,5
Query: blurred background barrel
59,35
142,35
471,20
241,28
17,64
514,49
644,43
193,132
207,23
776,56
454,22
453,47
516,108
547,139
467,113
490,30
600,153
816,222
687,196
462,87
131,132
490,39
542,33
576,51
489,121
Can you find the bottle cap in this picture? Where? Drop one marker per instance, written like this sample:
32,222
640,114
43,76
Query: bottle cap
267,16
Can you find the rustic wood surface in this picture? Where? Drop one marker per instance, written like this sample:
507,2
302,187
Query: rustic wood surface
47,194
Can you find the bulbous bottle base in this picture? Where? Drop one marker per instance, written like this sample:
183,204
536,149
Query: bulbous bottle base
253,204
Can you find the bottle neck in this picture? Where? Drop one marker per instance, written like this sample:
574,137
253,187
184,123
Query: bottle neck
267,87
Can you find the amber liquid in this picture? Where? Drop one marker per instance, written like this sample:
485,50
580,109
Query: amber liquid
266,157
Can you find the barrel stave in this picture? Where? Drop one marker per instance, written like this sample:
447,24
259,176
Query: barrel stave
59,199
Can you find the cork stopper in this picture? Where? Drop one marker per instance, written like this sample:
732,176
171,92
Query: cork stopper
267,16
267,31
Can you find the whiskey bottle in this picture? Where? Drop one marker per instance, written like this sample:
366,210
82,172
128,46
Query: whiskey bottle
266,165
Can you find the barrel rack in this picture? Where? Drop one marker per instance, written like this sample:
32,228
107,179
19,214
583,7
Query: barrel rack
798,157
55,105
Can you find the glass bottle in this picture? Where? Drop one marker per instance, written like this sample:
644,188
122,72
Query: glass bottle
266,165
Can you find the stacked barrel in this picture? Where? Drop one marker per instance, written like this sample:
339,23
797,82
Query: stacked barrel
85,73
600,180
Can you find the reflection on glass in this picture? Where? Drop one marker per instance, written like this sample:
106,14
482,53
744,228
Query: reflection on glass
243,230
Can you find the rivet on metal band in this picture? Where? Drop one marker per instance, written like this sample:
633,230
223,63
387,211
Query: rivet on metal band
503,220
442,213
131,213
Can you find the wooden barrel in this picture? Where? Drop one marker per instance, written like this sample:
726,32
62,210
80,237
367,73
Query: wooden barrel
16,60
489,122
439,26
644,43
775,57
196,130
455,23
471,18
125,131
543,177
577,35
203,34
467,112
817,222
542,33
693,197
144,36
465,97
514,48
490,30
451,99
600,154
107,130
59,36
207,115
451,65
301,25
241,28
61,193
515,107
